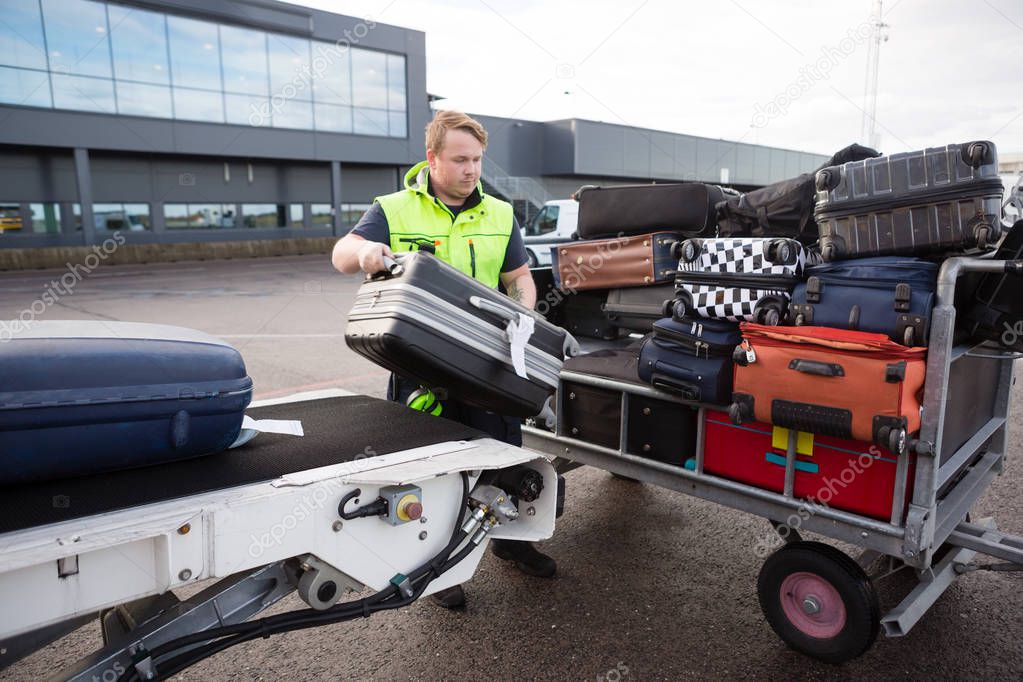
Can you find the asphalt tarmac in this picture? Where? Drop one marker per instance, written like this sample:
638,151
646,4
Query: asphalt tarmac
651,584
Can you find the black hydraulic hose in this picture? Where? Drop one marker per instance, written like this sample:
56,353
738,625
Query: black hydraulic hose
230,635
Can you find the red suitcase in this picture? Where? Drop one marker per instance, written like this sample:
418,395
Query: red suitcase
831,472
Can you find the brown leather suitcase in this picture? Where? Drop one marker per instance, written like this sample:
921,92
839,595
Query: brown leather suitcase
640,260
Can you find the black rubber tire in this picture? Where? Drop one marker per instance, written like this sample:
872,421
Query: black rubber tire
675,251
863,614
667,307
739,357
690,251
736,414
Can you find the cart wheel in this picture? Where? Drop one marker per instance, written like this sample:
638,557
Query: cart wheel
908,336
819,601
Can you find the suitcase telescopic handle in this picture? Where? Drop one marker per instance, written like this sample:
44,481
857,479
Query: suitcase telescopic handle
821,369
392,266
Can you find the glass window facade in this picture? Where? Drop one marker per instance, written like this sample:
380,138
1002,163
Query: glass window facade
263,215
123,217
88,55
319,215
45,218
198,216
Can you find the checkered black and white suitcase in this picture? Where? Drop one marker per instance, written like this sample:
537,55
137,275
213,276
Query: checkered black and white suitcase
739,279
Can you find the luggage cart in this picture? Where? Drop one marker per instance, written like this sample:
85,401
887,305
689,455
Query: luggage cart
819,600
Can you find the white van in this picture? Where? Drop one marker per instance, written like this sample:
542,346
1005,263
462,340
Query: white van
554,224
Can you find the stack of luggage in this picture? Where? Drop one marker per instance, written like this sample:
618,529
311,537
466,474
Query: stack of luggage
807,312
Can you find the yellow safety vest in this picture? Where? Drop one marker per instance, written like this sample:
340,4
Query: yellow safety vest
474,241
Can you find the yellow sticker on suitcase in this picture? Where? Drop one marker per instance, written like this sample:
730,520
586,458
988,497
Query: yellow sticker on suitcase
780,441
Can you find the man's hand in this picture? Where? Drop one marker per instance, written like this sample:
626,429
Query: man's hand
352,253
371,257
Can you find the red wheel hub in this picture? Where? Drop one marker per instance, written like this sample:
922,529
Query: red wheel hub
812,605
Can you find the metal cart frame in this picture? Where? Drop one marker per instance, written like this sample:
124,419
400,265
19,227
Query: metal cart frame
955,464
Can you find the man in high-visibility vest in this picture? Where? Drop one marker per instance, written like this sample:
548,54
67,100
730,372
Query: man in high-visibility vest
443,205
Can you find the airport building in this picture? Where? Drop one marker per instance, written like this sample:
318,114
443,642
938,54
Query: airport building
178,121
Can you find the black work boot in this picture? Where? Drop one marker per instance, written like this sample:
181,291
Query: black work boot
528,558
452,598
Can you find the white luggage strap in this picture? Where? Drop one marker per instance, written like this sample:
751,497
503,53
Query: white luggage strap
519,329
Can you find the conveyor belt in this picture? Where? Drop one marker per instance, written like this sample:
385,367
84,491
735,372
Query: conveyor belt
336,430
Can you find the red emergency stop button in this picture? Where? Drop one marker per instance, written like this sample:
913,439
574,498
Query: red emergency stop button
409,508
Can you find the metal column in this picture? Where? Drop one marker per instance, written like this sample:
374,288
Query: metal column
83,176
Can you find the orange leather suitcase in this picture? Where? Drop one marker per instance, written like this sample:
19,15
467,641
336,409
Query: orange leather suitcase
832,382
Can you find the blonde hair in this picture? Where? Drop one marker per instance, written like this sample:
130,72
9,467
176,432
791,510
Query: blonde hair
444,121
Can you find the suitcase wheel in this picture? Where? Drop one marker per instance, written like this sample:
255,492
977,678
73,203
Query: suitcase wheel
687,251
982,233
739,357
976,153
769,316
736,414
678,309
819,601
800,320
780,252
826,180
829,252
908,337
668,308
892,438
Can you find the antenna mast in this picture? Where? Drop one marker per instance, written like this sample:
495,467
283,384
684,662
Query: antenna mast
878,35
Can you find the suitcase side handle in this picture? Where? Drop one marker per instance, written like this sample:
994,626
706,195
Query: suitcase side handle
821,369
494,308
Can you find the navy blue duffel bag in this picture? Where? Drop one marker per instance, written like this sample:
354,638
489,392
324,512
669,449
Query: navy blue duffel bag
83,397
890,295
691,357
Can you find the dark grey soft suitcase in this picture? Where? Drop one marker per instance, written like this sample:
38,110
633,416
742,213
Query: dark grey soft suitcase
83,397
637,308
933,200
688,207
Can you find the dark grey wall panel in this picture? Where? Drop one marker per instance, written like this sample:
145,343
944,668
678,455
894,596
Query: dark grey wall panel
559,147
361,184
37,176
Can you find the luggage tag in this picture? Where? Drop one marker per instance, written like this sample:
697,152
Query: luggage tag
780,441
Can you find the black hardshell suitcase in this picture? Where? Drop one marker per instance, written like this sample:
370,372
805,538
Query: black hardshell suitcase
429,322
80,397
934,200
688,207
637,308
997,314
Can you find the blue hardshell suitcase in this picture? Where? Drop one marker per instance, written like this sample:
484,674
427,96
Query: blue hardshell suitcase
84,397
886,295
691,357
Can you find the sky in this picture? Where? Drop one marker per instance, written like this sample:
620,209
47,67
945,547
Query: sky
790,74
